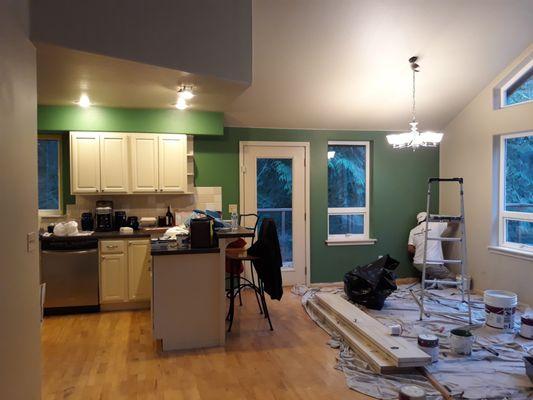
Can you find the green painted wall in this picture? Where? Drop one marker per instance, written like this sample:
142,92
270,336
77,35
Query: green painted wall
74,118
398,191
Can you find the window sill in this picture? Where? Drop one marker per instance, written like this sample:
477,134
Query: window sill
351,242
51,216
506,251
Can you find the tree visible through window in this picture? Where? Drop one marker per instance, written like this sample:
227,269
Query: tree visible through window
48,153
347,190
521,91
516,212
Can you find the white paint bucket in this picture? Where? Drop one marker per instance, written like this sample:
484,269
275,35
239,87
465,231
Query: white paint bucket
500,308
411,392
526,329
429,344
461,341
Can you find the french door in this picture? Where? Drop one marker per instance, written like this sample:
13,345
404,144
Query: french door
273,185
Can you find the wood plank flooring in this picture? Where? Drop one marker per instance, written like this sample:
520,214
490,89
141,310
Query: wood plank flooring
112,356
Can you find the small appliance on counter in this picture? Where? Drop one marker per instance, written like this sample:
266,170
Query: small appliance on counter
148,222
104,215
133,222
120,219
201,231
87,221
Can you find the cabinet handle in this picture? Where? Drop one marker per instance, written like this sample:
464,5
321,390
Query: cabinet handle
111,246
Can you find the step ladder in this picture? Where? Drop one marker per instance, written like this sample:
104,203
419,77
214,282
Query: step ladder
463,284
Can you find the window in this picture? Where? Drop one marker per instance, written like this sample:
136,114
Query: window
517,87
348,191
516,191
49,164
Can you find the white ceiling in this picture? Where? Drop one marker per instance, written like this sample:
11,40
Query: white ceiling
325,64
343,64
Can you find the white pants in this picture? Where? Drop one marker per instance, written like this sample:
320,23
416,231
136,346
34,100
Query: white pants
438,271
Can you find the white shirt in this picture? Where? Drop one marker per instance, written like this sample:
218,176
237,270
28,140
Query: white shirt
416,238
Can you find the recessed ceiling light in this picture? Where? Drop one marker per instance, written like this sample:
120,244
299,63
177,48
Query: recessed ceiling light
181,104
84,101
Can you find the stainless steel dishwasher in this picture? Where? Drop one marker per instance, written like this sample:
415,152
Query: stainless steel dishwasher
69,267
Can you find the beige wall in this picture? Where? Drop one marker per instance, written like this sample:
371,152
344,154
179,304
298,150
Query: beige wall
467,151
20,370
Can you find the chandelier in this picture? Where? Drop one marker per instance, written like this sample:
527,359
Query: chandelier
414,138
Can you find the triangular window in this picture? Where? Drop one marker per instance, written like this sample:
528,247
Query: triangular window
520,91
517,87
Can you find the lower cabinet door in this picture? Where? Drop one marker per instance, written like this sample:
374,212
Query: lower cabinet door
113,278
139,265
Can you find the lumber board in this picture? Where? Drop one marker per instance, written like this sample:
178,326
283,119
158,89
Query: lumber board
400,350
378,361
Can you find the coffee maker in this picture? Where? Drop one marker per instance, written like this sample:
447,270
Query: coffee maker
104,215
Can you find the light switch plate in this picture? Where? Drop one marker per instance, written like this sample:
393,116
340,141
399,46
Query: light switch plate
232,208
30,242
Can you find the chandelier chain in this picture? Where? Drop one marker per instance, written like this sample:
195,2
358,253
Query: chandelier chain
414,96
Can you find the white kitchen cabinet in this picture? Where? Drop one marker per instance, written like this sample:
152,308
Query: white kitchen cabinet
125,267
172,163
85,162
112,278
139,268
114,168
144,163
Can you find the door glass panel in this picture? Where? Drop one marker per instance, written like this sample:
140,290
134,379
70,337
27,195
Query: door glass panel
274,200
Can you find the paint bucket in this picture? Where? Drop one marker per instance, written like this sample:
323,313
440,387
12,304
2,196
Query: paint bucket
526,329
500,307
429,344
411,392
461,341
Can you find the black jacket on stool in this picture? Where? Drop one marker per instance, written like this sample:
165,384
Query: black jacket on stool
269,264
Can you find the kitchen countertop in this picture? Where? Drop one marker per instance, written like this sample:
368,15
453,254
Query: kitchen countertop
164,249
100,235
229,233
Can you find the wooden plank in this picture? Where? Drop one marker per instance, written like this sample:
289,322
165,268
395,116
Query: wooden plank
378,361
400,350
436,384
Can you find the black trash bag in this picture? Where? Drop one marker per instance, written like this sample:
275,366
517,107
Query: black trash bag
369,285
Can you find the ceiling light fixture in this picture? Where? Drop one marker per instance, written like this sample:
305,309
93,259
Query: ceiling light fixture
181,104
414,138
184,93
84,101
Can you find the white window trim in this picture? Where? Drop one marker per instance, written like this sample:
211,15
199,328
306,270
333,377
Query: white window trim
58,212
353,239
503,215
500,90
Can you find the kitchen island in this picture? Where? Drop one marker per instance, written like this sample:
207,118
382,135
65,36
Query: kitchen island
188,293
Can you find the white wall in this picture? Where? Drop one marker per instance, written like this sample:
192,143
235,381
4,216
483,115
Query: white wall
20,370
467,151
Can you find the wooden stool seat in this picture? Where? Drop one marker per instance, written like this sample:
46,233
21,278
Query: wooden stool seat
239,254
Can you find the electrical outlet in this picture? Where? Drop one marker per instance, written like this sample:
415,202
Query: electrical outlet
30,242
232,208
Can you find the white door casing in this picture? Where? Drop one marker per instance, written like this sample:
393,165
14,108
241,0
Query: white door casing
298,152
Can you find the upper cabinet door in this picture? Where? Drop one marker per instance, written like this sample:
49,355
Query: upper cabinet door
144,163
173,163
85,162
114,162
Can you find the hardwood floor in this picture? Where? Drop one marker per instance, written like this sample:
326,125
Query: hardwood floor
112,356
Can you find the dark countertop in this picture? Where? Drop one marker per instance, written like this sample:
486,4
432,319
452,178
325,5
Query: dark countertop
100,235
163,249
239,232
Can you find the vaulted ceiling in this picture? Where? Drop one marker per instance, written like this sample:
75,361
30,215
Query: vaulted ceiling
326,64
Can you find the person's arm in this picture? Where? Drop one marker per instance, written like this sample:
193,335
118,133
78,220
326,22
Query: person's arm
411,244
411,249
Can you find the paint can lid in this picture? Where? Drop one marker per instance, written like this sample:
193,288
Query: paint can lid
428,340
412,392
527,319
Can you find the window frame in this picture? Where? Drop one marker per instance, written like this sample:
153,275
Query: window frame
500,91
59,211
365,211
504,215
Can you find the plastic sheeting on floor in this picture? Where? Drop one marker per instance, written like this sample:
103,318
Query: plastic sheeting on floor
482,375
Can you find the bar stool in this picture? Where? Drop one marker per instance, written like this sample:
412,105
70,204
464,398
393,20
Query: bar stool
241,255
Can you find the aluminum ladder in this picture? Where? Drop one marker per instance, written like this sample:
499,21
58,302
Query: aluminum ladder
463,284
